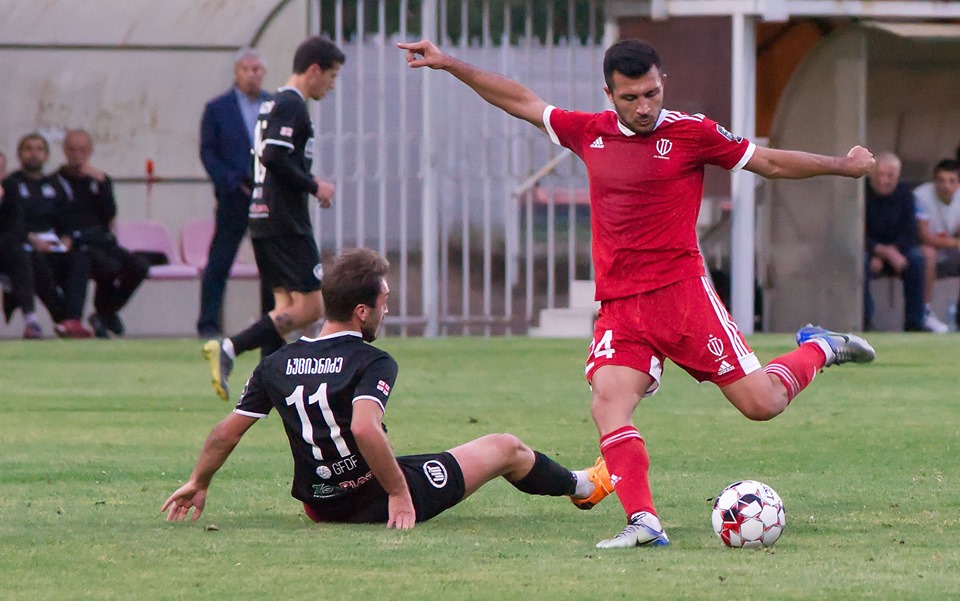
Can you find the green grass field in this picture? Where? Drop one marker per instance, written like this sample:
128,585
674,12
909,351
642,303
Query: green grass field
94,435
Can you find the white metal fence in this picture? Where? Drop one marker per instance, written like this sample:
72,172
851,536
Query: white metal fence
476,210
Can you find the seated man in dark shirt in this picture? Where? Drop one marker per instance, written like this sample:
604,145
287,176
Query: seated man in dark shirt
60,270
15,262
892,241
331,393
92,210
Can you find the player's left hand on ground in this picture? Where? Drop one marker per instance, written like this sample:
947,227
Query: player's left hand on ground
402,515
325,191
179,504
861,161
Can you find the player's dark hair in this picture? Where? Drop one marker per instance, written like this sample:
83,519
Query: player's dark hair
947,165
33,136
317,51
632,58
355,278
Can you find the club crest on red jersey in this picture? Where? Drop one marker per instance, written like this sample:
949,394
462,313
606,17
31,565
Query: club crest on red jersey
664,146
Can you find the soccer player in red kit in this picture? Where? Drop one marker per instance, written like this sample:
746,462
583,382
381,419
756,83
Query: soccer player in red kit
645,166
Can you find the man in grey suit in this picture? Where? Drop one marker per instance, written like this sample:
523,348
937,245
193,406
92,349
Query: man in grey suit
226,140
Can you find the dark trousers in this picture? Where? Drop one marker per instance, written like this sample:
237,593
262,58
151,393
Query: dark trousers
231,225
117,273
15,263
912,277
61,282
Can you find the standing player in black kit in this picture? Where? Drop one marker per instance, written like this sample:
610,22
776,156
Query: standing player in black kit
283,242
331,393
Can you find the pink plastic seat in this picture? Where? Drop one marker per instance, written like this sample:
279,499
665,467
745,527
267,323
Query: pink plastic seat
153,236
195,237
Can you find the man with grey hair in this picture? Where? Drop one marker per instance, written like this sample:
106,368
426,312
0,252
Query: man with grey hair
226,142
892,242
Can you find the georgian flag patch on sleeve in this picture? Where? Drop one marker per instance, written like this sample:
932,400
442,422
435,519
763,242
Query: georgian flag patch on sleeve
383,387
286,131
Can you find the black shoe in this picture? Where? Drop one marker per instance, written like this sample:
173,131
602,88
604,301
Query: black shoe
99,327
112,322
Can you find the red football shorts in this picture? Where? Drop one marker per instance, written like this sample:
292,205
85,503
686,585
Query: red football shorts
685,322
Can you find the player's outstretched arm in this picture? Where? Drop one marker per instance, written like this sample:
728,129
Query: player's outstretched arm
791,164
367,428
502,92
219,444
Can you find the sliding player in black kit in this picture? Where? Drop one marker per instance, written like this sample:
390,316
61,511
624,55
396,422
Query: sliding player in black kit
331,393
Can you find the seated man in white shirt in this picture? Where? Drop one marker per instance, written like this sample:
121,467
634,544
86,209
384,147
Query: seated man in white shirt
938,217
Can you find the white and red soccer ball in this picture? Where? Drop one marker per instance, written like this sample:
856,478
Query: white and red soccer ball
748,514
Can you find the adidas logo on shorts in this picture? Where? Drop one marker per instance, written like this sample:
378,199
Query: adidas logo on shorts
724,368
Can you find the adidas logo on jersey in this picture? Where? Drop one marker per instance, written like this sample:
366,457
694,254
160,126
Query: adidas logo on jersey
598,143
724,368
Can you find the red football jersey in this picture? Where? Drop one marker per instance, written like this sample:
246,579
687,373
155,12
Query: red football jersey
645,192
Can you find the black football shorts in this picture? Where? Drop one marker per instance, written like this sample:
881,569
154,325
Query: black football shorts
435,481
290,262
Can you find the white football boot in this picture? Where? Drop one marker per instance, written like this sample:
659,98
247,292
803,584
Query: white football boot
642,530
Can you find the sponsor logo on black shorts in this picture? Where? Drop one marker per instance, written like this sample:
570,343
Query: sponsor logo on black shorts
436,473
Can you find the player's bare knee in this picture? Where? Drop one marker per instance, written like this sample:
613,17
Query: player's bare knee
763,408
602,400
510,443
510,447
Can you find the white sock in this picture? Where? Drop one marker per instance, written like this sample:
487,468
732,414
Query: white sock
585,487
826,351
646,518
227,346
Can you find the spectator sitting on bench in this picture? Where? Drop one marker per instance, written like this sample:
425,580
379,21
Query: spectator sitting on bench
15,262
938,216
892,244
60,271
92,210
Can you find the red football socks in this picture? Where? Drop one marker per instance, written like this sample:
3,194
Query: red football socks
797,368
628,463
